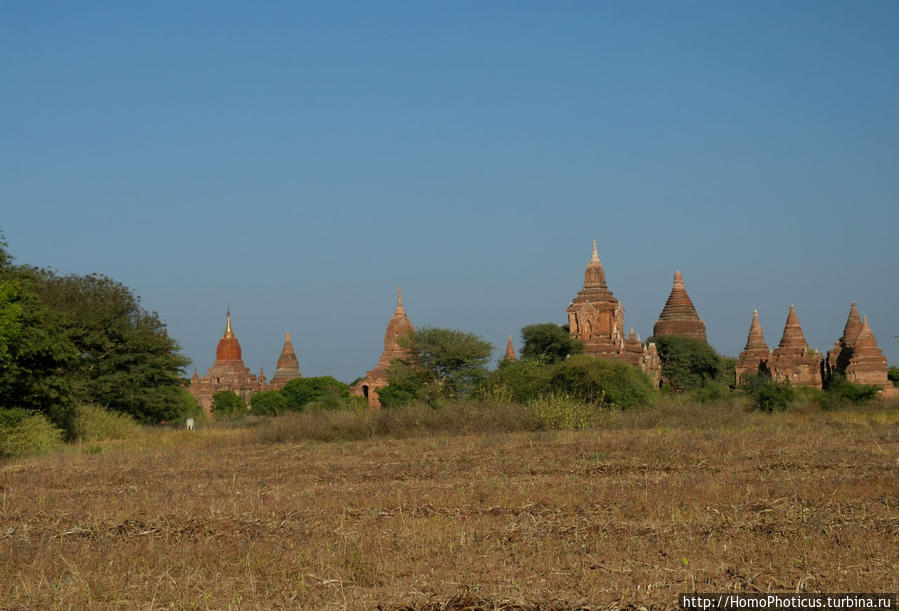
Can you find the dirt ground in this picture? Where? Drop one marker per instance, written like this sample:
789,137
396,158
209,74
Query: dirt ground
628,514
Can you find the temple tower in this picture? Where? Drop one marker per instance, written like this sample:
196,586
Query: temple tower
510,351
679,316
867,365
756,355
227,373
793,361
596,317
288,366
398,326
839,356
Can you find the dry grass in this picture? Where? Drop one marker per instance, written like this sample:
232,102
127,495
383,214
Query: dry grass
628,514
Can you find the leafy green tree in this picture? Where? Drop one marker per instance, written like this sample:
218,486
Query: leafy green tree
227,404
408,384
126,360
893,375
766,395
268,403
601,381
549,343
519,381
301,391
687,363
450,364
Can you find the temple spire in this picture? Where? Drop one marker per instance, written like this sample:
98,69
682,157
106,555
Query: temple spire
756,339
399,301
793,337
510,351
228,331
595,275
594,257
853,326
679,316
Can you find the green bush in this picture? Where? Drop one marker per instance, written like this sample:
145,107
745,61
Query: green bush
519,381
893,375
228,404
268,403
601,382
93,423
712,392
841,393
687,363
563,411
23,433
301,391
765,395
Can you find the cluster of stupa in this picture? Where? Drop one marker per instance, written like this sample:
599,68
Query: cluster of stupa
228,372
855,355
596,317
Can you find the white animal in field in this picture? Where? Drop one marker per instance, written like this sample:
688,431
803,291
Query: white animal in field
190,424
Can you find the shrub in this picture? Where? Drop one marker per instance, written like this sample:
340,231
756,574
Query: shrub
766,395
601,381
549,343
520,381
93,423
841,392
23,433
228,404
301,391
268,403
711,392
563,411
687,363
893,375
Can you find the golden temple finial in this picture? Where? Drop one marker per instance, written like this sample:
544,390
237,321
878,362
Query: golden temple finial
228,331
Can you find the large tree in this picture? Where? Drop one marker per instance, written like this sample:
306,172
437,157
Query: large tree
444,364
688,363
548,342
125,359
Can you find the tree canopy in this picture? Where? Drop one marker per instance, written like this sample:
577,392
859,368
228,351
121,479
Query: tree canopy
548,342
688,363
300,392
445,364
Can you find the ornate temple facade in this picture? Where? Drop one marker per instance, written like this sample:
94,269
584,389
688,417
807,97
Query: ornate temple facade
679,317
596,317
229,372
398,326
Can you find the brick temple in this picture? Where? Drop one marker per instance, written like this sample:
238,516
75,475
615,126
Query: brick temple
228,372
398,326
679,316
596,317
857,355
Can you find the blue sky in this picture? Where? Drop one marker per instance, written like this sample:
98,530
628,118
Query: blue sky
297,161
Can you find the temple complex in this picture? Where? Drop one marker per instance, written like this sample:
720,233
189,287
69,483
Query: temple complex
679,316
510,351
595,317
227,373
288,366
793,361
756,355
398,326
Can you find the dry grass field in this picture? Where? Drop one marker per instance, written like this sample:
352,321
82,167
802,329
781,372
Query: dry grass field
623,515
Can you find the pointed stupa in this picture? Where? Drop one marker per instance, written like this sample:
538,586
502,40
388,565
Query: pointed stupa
228,350
867,365
853,326
793,340
398,326
288,366
595,275
756,339
195,377
510,351
679,317
755,356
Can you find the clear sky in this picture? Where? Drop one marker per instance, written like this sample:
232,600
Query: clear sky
297,161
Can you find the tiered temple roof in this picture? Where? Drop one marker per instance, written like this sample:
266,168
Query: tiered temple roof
793,361
679,316
596,317
288,366
867,365
398,326
755,356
